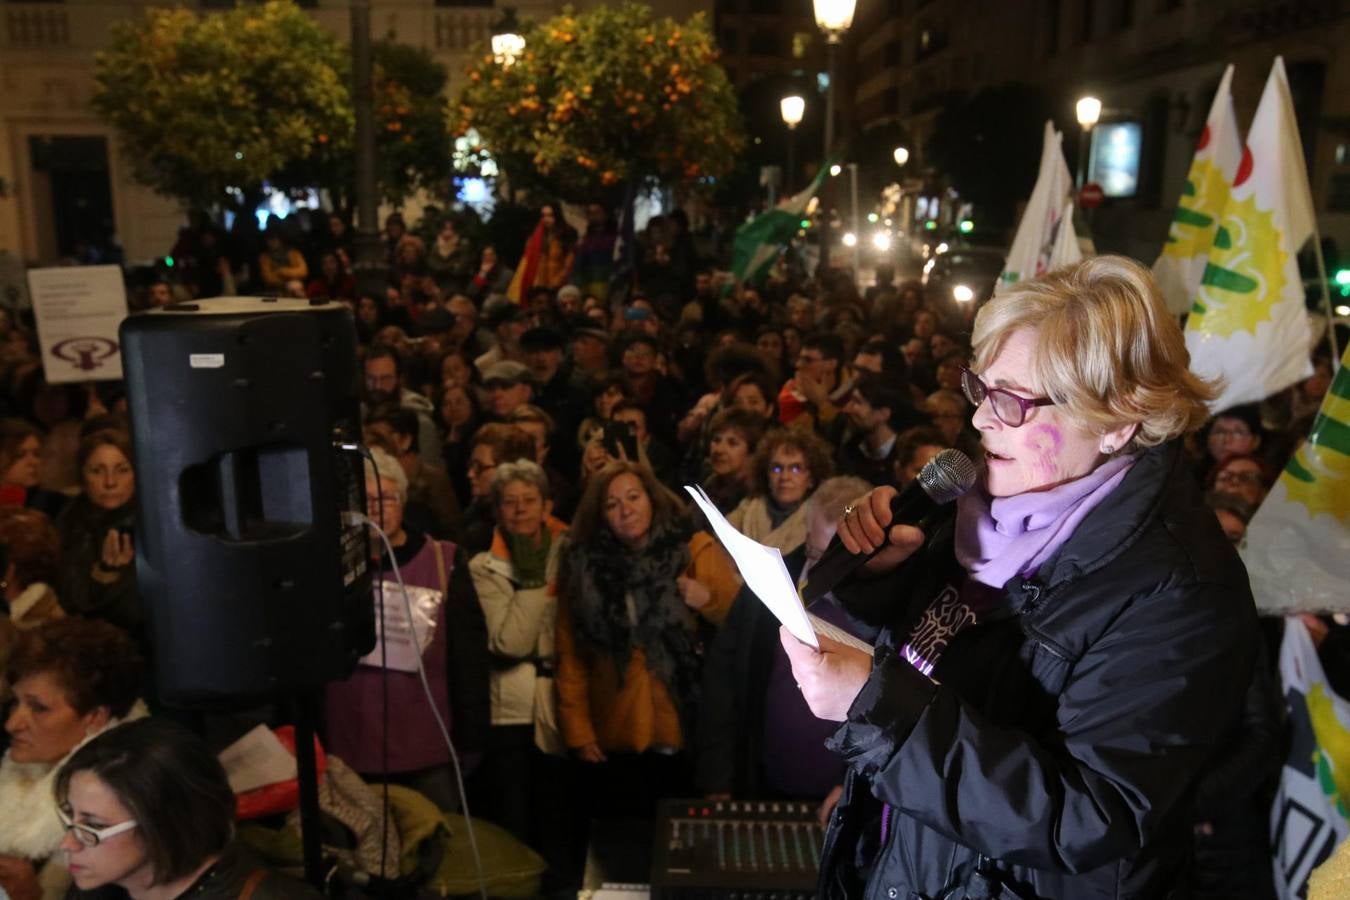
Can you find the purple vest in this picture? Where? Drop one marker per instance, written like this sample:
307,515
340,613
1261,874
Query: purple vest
353,708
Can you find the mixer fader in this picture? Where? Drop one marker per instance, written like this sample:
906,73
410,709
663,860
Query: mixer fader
736,850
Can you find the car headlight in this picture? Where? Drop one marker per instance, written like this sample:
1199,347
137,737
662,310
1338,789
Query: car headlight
881,240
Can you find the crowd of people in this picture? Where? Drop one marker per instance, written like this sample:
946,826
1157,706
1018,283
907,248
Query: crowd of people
590,643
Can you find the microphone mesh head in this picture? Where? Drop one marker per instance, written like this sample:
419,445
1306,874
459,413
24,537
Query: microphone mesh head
947,476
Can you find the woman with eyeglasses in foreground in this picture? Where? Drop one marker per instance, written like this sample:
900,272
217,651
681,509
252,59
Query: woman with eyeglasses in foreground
149,815
71,679
1068,649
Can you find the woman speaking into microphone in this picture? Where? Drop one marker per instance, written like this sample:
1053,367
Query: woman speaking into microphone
1063,653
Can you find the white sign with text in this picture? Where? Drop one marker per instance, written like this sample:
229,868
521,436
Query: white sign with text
78,310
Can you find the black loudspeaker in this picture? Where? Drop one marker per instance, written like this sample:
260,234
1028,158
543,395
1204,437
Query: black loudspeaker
252,581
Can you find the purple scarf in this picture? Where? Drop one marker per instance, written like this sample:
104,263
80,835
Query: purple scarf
1008,536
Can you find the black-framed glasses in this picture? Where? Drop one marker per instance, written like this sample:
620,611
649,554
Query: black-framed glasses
89,836
1010,409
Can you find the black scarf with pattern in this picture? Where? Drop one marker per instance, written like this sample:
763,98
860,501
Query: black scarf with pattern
600,574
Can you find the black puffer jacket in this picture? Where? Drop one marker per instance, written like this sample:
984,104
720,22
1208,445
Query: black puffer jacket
1055,752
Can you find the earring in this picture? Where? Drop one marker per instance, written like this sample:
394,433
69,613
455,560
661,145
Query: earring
1108,449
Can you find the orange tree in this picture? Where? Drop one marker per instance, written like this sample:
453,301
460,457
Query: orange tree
205,102
604,102
261,93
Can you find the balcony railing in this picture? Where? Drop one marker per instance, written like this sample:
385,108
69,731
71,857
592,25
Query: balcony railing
83,27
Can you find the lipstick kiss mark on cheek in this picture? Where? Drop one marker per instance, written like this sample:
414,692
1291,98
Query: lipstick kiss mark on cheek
1044,442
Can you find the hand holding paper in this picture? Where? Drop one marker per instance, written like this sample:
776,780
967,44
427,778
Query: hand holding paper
763,570
764,573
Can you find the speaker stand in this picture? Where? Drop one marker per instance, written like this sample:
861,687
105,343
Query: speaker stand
305,704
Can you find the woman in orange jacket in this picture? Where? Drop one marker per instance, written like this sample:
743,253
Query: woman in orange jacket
639,593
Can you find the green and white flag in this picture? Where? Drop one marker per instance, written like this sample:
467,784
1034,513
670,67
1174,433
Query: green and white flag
1308,818
759,241
1297,549
1203,199
1248,323
1049,211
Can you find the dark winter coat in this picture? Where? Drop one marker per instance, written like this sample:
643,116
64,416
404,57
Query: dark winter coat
1055,752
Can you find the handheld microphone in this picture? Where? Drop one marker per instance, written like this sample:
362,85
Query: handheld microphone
946,477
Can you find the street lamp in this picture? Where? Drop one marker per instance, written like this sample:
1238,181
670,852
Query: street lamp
792,108
507,41
901,155
1088,110
834,17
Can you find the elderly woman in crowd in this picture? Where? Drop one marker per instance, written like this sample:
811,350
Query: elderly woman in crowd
98,573
148,813
638,591
453,654
72,679
516,582
733,436
1062,661
787,467
492,445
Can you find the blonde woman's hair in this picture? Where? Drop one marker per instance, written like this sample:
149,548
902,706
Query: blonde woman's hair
1107,350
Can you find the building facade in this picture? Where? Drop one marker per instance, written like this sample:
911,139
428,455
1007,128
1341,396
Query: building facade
1154,63
60,164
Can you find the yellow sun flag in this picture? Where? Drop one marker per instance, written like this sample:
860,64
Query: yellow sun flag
1248,324
1298,544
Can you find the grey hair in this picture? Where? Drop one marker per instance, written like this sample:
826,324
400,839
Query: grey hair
518,470
385,466
833,495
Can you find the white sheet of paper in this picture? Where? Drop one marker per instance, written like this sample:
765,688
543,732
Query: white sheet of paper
763,570
257,759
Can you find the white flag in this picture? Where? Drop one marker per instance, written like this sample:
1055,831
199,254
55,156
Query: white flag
1308,818
1032,251
1297,550
1066,249
1203,199
1248,323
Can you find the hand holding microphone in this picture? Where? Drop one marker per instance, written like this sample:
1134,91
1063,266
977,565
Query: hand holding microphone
866,527
882,529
